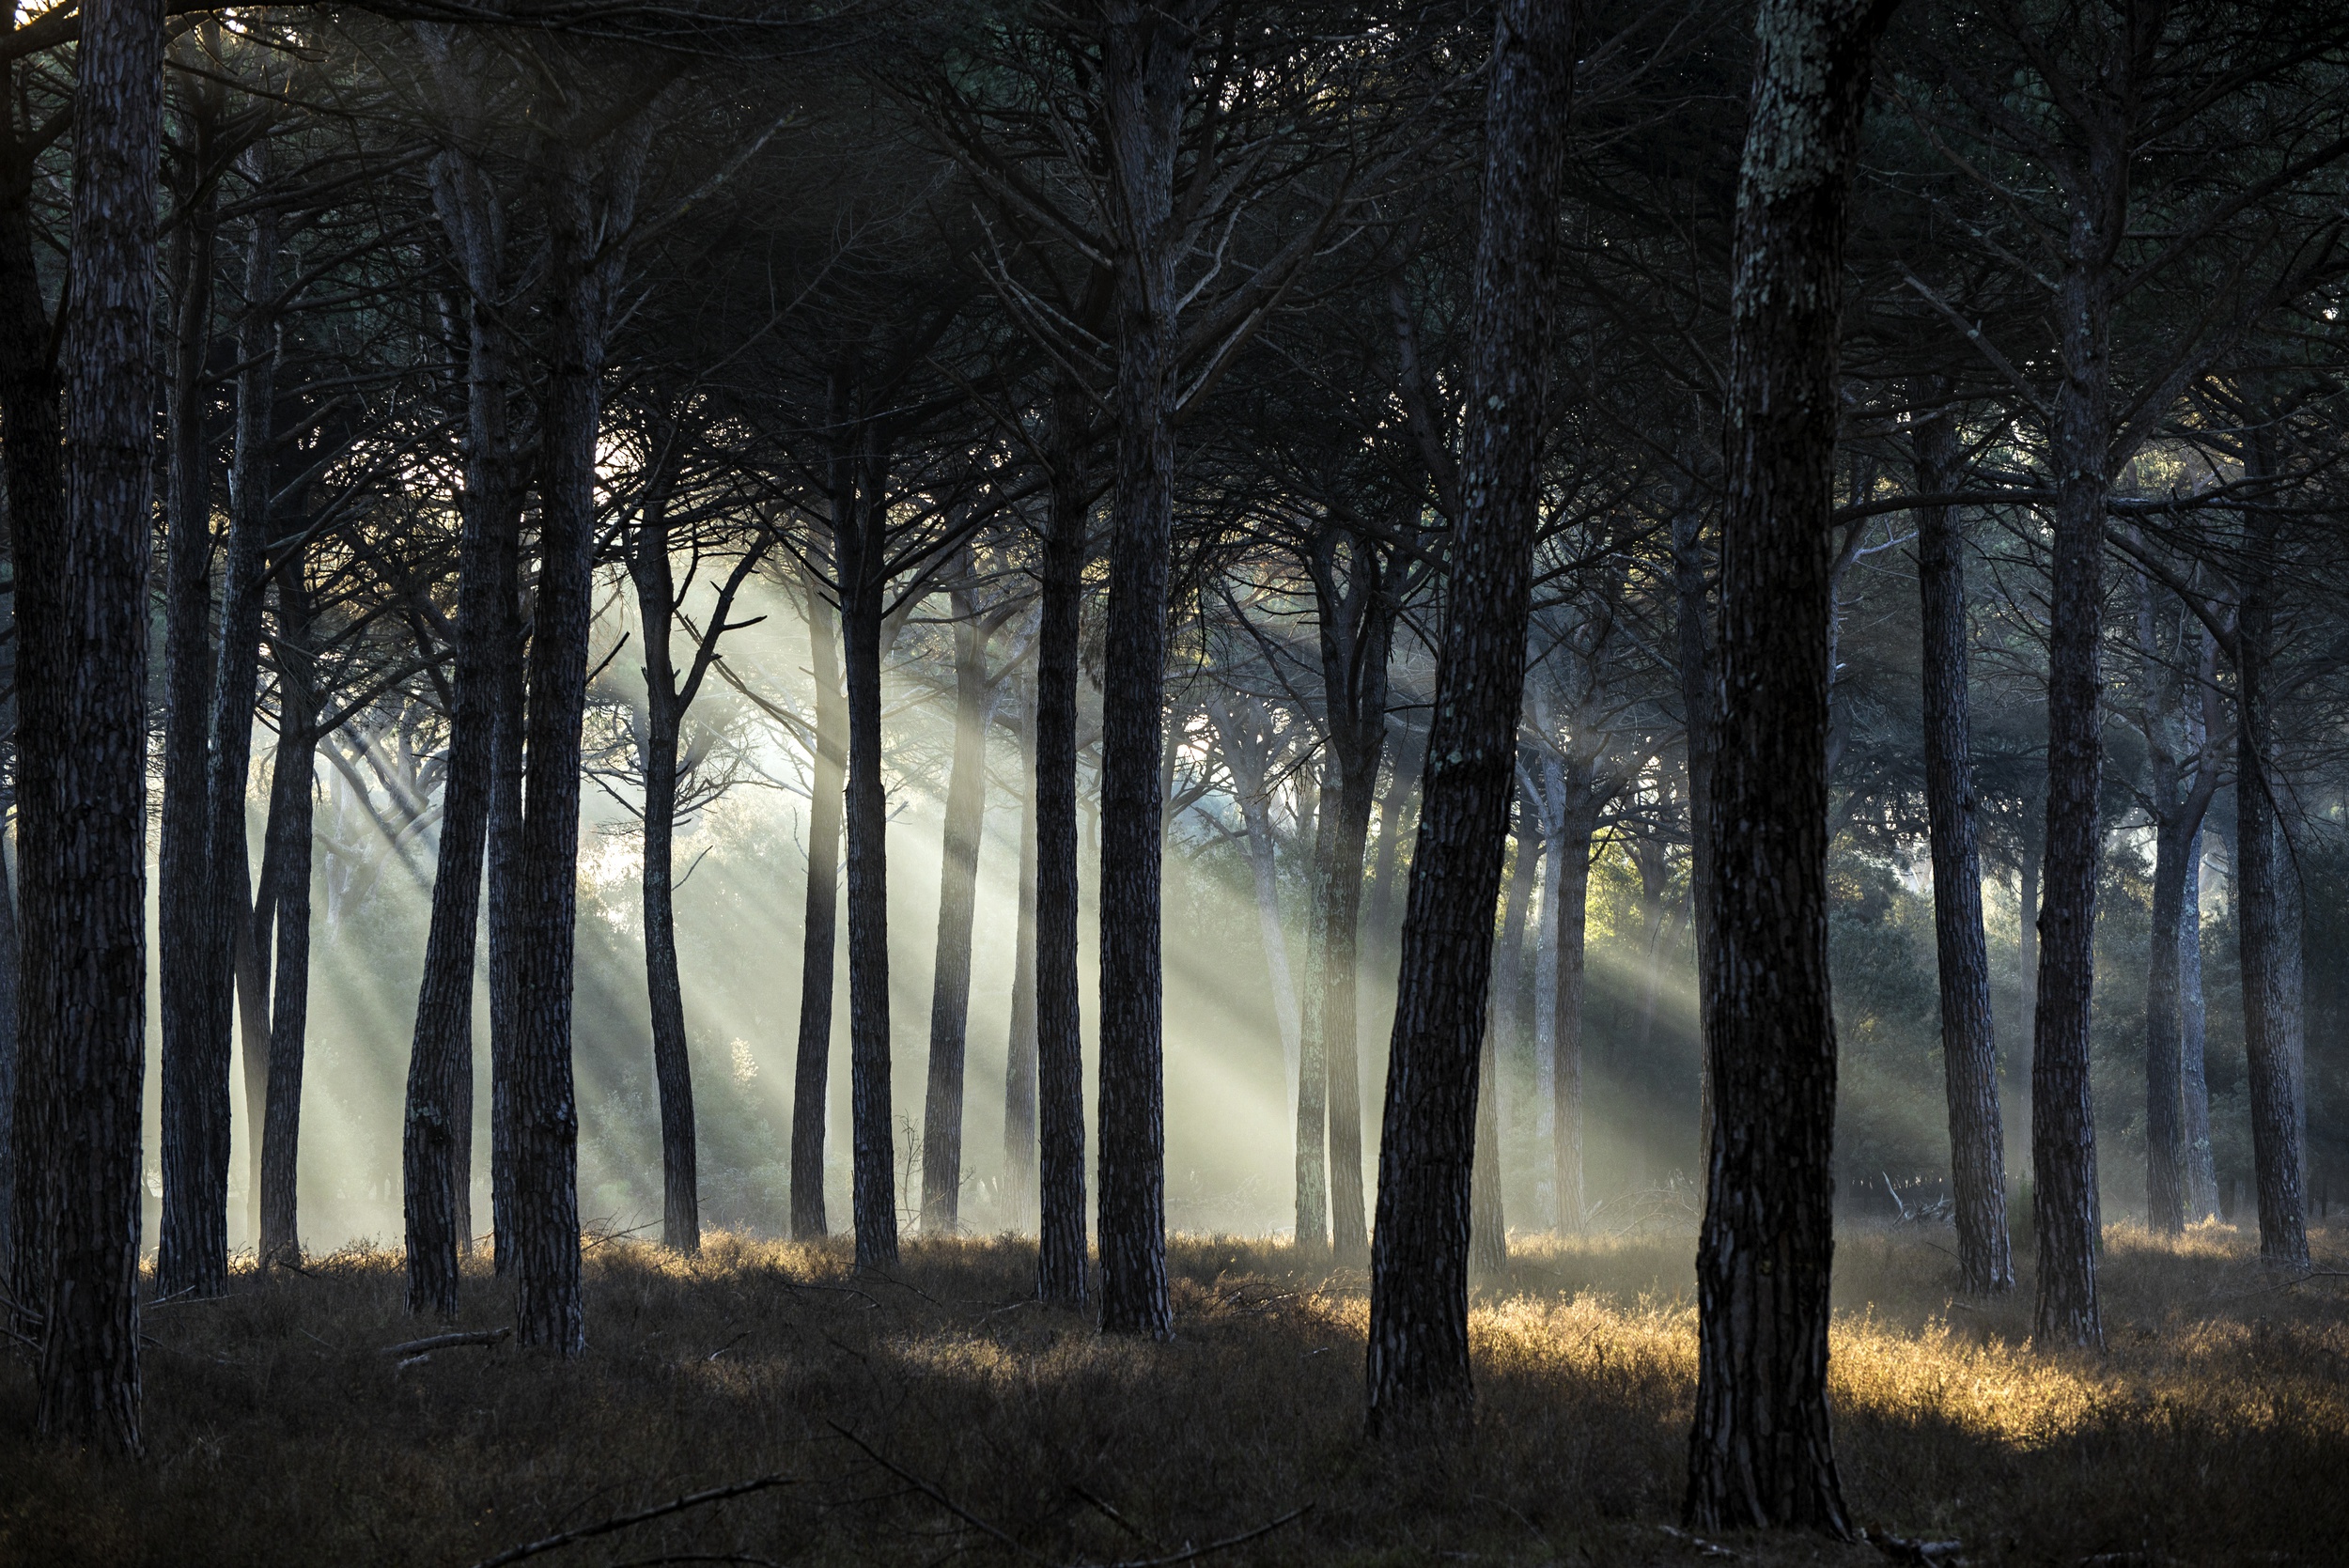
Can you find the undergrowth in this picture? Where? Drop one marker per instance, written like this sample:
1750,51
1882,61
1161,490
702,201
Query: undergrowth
934,1412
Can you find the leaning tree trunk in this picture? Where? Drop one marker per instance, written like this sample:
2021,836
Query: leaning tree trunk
1969,1057
193,1254
1018,1197
1418,1351
2271,1007
291,803
873,1132
828,776
957,896
1058,1045
1145,58
1761,1450
82,673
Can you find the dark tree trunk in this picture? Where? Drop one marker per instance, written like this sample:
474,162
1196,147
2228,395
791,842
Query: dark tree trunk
828,776
672,1063
2201,1179
291,798
1488,1224
82,671
1761,1451
506,762
1019,1055
957,896
1147,54
438,1124
2063,1127
32,449
1312,1058
1418,1352
863,583
1692,598
193,1255
1970,1056
543,1110
1059,1044
1570,863
2266,913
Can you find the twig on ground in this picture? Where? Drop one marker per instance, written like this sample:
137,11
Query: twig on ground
1118,1519
929,1491
1213,1546
605,1527
416,1350
1707,1547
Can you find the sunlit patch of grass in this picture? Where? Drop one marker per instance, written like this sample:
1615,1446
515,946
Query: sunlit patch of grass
935,1411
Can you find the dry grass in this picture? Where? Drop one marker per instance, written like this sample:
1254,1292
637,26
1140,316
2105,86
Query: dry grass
2215,1430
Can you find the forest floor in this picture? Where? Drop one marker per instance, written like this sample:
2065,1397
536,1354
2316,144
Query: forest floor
935,1414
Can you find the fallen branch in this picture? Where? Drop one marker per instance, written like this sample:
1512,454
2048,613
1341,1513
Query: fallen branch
695,1499
416,1350
1213,1546
926,1490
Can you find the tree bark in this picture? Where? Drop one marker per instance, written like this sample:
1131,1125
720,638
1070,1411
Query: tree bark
82,619
1570,868
1761,1450
828,777
1059,1044
958,897
292,804
502,898
1313,1061
1418,1352
1146,53
1969,1058
1691,599
1488,1225
1020,1053
193,1255
2266,914
2201,1178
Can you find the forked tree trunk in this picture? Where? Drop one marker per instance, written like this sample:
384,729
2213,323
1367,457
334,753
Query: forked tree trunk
1761,1451
958,897
1418,1352
1058,1045
1020,1053
827,779
1969,1057
1147,54
82,673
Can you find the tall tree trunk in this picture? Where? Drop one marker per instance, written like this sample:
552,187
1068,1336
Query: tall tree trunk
2063,1129
82,673
1969,1057
1570,866
672,1065
2201,1178
542,1108
1312,1058
2266,909
291,796
1418,1351
1020,1053
193,1256
828,776
32,450
1488,1226
437,1130
507,758
958,897
1761,1450
1059,1044
1691,599
1146,53
1339,974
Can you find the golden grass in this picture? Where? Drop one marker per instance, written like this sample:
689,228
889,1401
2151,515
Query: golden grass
2215,1429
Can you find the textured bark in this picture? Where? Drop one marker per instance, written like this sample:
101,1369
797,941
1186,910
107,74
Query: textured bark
549,1306
827,781
957,896
1313,1062
32,449
505,857
1691,599
1969,1057
1018,1197
438,1121
292,805
193,1252
81,670
1761,1450
1059,1044
2201,1178
2267,913
1146,53
1418,1350
2063,1129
